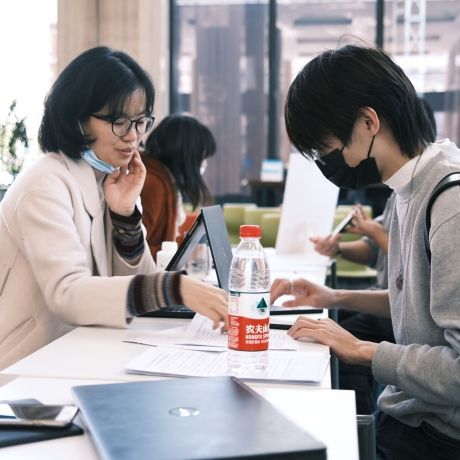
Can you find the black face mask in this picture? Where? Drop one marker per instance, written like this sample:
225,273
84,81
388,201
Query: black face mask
335,169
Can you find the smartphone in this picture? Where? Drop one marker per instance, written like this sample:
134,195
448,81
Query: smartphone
25,414
344,223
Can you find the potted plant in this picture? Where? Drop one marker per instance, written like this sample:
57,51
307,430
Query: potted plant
13,133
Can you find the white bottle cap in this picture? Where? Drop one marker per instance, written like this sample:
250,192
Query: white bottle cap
169,246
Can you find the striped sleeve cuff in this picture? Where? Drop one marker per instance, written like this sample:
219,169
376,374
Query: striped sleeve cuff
151,292
127,234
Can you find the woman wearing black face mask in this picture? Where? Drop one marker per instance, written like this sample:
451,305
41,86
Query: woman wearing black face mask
355,112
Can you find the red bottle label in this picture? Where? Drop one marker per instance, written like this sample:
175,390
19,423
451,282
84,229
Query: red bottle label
248,334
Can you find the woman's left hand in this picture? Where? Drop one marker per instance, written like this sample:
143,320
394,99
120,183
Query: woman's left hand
123,187
342,344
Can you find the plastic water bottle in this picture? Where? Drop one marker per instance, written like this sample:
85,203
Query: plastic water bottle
168,249
249,305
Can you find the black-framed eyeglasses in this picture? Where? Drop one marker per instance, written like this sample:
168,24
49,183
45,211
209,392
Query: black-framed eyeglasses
318,155
122,125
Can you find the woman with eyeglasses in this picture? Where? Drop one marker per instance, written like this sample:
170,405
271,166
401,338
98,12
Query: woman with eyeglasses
72,248
355,113
175,156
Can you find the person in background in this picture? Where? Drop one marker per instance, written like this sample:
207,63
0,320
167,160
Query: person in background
355,112
72,248
175,156
370,250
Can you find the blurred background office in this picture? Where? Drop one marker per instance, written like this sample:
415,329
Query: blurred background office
228,63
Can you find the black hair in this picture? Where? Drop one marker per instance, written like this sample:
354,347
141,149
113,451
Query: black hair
98,78
181,143
430,114
326,97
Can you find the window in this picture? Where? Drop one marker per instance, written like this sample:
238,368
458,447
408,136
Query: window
222,79
28,37
234,62
423,36
306,28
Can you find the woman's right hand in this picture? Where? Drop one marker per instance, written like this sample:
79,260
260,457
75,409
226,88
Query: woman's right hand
123,187
205,299
305,293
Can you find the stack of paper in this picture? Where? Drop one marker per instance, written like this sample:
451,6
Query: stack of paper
298,367
199,335
198,350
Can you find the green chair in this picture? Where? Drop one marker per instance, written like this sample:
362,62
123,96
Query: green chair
234,214
344,209
269,225
253,216
351,271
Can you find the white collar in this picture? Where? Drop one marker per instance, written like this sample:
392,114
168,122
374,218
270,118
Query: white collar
401,178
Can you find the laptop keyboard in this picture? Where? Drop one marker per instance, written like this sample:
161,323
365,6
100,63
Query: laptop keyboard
181,311
176,308
172,311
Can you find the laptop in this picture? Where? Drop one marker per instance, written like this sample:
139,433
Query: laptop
189,419
210,226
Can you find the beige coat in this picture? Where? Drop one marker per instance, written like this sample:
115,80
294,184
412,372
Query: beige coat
55,236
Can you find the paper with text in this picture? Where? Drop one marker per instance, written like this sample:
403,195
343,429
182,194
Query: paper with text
297,367
199,335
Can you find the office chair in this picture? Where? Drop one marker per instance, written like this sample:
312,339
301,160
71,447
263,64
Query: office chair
234,217
269,224
253,215
332,313
352,274
185,227
366,437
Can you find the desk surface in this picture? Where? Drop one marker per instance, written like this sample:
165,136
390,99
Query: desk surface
99,353
95,355
328,415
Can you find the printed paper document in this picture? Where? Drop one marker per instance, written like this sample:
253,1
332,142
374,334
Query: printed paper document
293,367
199,335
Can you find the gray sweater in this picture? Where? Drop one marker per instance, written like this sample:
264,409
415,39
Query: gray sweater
379,259
422,370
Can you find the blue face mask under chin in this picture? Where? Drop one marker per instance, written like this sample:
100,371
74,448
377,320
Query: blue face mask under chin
90,157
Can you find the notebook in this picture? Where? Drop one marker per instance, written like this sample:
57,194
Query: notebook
210,224
189,419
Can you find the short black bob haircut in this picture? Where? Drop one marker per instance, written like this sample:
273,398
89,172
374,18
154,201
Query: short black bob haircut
98,78
326,96
181,143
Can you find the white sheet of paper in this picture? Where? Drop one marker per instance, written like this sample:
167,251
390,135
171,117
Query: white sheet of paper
199,335
303,214
298,367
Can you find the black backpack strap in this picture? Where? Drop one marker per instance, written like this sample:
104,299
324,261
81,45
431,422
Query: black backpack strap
446,182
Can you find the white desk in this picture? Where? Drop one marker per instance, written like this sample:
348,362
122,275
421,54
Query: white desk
328,415
98,353
95,355
296,266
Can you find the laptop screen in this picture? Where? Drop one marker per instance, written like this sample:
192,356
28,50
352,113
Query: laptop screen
210,226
